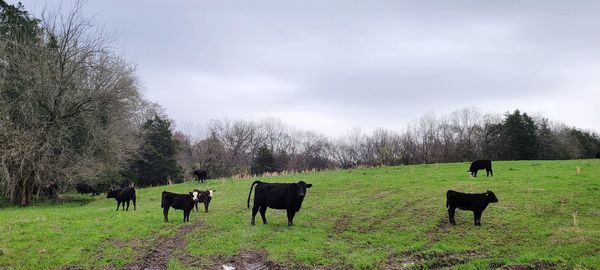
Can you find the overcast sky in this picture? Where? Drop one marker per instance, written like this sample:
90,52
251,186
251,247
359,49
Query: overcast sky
331,66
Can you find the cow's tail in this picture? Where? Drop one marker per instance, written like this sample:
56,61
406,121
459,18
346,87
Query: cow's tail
162,200
249,193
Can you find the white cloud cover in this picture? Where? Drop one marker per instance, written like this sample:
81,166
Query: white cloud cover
334,65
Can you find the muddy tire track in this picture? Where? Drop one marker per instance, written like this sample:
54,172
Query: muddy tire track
253,260
157,255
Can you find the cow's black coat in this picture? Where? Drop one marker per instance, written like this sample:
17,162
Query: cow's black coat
202,175
481,165
123,195
277,196
203,197
85,188
472,202
183,202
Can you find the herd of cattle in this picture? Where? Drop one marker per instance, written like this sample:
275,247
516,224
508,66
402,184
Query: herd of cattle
289,197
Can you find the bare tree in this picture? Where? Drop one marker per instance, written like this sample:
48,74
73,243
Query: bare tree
66,104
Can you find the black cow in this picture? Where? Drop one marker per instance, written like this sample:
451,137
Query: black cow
472,202
597,155
123,195
184,202
202,196
277,196
480,165
85,188
200,174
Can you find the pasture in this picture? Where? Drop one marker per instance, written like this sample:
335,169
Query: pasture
547,217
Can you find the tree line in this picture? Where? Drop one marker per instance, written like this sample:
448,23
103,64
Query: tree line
232,147
72,115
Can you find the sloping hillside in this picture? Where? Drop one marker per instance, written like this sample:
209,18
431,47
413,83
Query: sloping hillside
376,218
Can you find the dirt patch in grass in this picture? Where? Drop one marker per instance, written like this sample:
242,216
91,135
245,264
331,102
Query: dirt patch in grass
441,228
244,260
428,260
341,224
252,260
156,256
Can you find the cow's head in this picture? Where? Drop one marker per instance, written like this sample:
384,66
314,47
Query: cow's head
301,188
210,192
112,193
491,197
195,194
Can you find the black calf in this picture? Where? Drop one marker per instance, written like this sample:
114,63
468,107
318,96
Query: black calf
184,202
481,165
200,174
85,188
472,202
123,195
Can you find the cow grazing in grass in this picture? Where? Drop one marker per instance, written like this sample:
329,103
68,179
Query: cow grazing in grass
277,196
202,175
122,196
484,164
85,188
472,202
183,202
204,197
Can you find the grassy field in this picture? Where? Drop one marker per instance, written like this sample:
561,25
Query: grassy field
374,218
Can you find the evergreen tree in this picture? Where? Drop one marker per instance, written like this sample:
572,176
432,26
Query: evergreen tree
157,156
519,136
546,142
264,161
589,143
16,25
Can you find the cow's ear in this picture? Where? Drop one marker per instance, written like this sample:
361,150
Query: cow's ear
192,194
308,185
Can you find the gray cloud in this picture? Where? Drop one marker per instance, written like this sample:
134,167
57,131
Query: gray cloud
334,65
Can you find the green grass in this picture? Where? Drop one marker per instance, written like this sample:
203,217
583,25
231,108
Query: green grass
358,218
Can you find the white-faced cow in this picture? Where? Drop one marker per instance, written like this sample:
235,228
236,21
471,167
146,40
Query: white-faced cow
483,164
202,196
277,196
123,195
471,202
183,202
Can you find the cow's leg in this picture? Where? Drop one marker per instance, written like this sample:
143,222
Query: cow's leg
186,215
127,206
196,205
290,216
166,213
254,211
477,217
263,210
491,172
451,211
475,173
206,207
118,205
133,203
